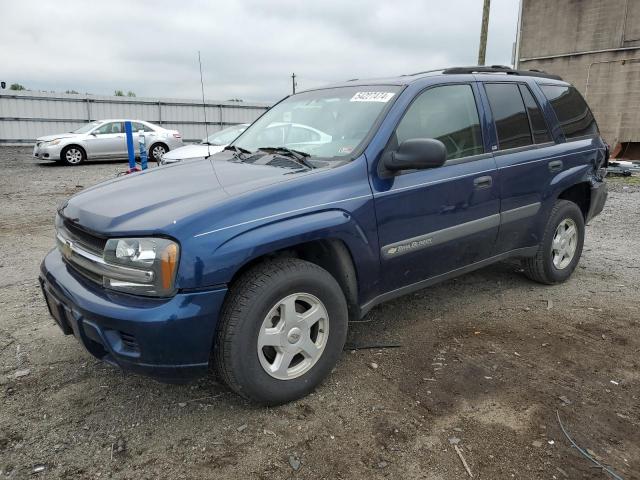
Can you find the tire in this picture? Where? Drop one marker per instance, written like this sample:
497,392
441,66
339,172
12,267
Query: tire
156,151
72,155
550,265
252,313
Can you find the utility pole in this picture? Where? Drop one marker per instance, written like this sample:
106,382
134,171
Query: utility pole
293,83
483,32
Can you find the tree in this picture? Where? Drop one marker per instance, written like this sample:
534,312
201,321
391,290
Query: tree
72,92
119,93
130,94
16,86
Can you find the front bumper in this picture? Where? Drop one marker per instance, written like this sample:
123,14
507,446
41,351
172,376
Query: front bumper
166,338
47,152
599,193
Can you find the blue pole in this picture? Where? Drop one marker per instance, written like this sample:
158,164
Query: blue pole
130,150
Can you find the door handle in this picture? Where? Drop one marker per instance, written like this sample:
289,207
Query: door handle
482,182
555,166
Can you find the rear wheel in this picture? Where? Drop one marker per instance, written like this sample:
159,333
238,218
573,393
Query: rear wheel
561,246
157,150
282,330
72,155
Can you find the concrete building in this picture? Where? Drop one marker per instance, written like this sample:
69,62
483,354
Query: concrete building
594,44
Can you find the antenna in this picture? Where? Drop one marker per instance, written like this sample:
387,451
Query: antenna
204,107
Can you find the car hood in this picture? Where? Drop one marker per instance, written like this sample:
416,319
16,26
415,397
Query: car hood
162,200
48,138
197,150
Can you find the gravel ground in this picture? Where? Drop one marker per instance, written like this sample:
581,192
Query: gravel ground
484,363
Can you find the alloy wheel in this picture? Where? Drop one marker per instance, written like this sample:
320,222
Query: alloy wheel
157,152
73,155
564,244
293,336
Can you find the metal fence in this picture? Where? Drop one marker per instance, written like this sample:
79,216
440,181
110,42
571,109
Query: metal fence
25,116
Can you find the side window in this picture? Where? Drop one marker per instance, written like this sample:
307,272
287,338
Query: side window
105,128
512,123
576,120
447,113
538,125
137,126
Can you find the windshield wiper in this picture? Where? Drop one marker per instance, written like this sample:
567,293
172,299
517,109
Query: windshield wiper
238,152
300,156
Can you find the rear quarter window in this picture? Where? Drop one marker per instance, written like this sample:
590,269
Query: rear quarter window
574,115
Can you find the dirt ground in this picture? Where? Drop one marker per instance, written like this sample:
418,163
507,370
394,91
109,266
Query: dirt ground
484,363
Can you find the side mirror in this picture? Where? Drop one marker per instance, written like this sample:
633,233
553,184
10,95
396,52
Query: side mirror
94,134
417,153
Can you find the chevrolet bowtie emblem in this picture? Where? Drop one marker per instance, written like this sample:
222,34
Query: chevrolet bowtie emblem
67,249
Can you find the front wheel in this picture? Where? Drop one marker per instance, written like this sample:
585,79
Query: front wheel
282,330
561,246
72,155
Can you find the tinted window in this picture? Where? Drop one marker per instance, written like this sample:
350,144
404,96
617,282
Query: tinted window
512,123
538,125
448,114
572,111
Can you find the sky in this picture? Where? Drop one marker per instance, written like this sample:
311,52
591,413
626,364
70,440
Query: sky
249,48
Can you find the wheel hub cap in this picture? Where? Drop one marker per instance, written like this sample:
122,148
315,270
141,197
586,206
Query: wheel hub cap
293,336
564,244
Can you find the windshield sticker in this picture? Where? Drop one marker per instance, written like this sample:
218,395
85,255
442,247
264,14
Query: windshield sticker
345,150
383,97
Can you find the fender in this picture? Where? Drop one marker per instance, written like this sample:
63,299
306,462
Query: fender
236,252
569,178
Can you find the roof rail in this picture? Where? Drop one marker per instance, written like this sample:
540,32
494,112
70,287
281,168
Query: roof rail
501,69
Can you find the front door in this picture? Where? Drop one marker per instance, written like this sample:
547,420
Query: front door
108,141
437,220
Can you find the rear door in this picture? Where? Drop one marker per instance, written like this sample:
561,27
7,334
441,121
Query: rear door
525,155
433,221
108,140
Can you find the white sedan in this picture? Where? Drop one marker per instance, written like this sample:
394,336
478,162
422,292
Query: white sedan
105,139
212,144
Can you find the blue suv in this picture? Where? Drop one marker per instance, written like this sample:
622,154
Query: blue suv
251,262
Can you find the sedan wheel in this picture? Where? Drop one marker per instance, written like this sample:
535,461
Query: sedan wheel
157,151
72,155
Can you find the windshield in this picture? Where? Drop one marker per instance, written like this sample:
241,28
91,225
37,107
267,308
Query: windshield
87,128
225,136
323,123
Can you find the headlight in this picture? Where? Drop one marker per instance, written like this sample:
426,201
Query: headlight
53,142
156,258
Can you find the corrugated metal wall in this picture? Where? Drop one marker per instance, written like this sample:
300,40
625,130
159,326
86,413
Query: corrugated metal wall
24,116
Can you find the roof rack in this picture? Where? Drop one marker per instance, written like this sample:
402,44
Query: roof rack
501,69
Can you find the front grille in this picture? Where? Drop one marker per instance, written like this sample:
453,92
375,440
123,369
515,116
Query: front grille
85,273
89,241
